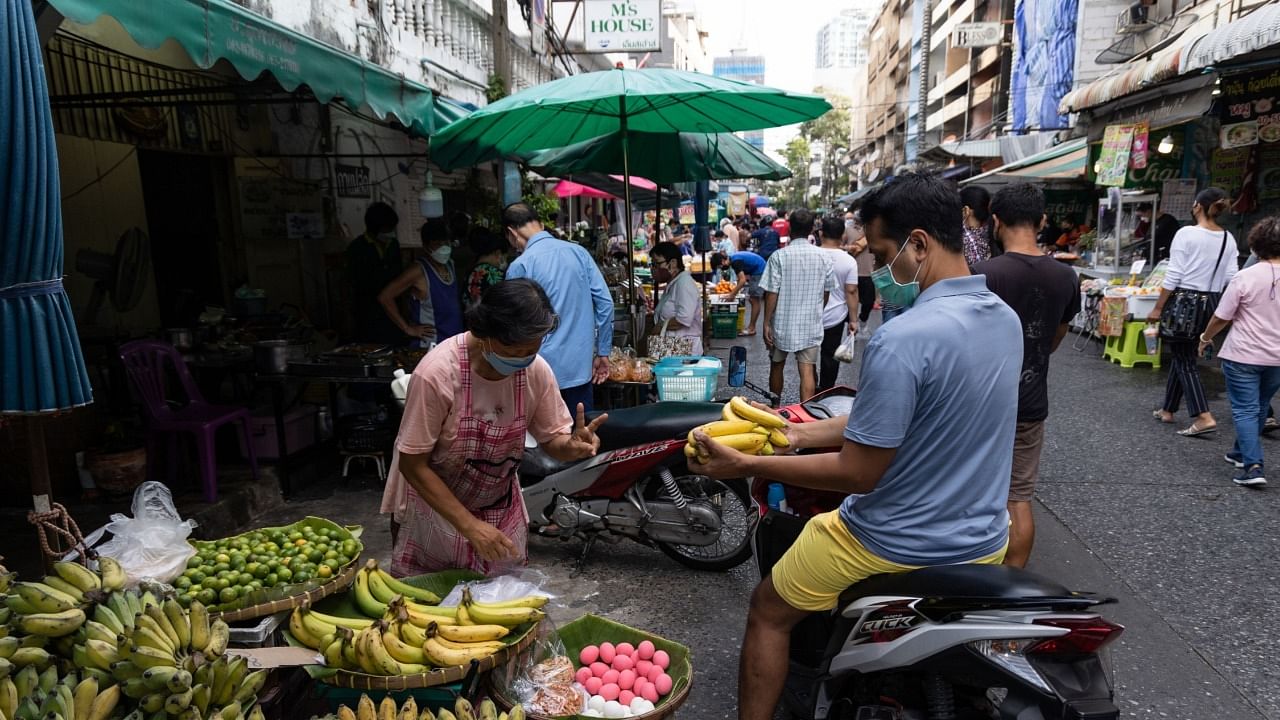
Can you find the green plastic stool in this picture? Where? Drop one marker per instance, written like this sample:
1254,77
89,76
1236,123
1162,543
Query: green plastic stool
1131,347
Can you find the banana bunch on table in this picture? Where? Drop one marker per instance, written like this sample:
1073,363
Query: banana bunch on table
403,637
387,710
745,428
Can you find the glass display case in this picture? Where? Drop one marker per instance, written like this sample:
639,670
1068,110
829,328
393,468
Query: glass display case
1125,229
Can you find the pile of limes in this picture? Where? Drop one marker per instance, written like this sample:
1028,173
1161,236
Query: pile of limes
223,571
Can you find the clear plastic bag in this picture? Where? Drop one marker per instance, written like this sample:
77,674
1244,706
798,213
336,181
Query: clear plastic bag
153,543
522,583
847,350
541,678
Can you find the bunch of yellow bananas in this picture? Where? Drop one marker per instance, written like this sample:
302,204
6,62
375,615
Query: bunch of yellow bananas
34,694
745,428
56,606
386,710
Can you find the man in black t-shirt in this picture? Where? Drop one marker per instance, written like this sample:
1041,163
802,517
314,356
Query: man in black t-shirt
1046,295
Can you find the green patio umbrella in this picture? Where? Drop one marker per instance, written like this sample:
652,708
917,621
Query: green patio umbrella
581,107
664,157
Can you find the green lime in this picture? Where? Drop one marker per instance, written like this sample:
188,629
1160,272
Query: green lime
222,566
324,571
194,561
349,547
315,556
207,596
271,580
341,560
285,574
244,578
330,554
222,583
222,558
210,582
302,577
182,583
197,576
228,594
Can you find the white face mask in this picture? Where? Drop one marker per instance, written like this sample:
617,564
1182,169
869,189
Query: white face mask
442,254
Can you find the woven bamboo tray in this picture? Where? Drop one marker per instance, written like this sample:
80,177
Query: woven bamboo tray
593,630
270,601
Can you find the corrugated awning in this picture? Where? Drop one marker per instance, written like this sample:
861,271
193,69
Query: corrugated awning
972,148
1066,161
1130,77
210,30
1257,30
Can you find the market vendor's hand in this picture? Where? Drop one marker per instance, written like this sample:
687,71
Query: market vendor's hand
420,332
1154,317
490,543
715,460
600,369
584,442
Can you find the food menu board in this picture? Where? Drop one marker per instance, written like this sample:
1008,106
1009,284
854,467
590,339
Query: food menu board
1117,142
1250,112
1228,169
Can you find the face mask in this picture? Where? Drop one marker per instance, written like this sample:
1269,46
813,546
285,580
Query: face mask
508,365
892,291
442,254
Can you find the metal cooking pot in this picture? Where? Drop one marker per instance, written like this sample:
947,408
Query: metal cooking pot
272,357
181,338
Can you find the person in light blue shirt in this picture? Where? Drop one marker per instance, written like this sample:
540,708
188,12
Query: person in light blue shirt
926,453
578,349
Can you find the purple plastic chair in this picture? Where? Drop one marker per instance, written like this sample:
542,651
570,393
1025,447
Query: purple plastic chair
145,361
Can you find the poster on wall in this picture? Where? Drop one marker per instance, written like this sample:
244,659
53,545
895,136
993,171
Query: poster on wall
1140,151
1249,110
1116,144
1177,196
686,213
1044,46
1228,169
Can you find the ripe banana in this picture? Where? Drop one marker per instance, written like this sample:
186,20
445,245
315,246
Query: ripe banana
52,624
346,713
8,645
333,654
31,657
353,623
472,633
405,589
387,708
409,711
147,657
411,633
747,411
61,585
376,656
78,575
8,697
723,427
508,617
442,656
198,615
533,601
492,645
219,636
250,685
301,631
104,704
778,438
463,709
365,709
402,651
44,598
749,443
766,449
113,577
177,618
728,414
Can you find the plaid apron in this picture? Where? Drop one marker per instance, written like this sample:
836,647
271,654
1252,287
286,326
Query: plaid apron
480,470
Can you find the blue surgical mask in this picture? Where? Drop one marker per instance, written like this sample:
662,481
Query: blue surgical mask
508,365
893,292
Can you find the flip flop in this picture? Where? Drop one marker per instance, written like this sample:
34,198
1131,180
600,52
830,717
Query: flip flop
1194,431
744,333
1159,415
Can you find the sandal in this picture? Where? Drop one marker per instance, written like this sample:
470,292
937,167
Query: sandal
1194,431
1159,415
744,333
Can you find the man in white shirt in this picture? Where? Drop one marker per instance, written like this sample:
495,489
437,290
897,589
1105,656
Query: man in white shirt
836,315
796,283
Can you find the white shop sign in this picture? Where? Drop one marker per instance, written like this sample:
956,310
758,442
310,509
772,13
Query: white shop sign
623,25
977,34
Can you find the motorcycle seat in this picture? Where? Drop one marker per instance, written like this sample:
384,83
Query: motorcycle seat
536,464
654,422
955,587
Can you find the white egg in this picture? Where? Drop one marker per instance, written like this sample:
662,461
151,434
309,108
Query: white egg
592,712
648,707
637,706
596,703
614,709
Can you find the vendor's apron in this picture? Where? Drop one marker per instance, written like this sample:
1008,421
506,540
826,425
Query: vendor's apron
480,470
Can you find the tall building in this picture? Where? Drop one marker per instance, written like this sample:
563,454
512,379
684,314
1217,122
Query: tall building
839,47
744,67
968,78
683,39
883,145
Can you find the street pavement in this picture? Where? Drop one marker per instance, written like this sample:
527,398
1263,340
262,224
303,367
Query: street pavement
1125,508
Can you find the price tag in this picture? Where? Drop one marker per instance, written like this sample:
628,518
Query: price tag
1138,266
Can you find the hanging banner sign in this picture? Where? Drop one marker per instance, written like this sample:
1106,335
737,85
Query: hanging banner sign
1116,144
1141,147
622,25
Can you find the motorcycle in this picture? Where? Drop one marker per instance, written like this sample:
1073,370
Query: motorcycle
940,643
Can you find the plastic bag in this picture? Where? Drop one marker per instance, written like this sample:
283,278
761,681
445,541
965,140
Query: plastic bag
846,351
521,584
153,543
542,677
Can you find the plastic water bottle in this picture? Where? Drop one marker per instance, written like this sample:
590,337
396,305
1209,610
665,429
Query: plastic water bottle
777,498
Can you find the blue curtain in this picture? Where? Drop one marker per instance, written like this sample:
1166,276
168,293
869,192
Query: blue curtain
41,367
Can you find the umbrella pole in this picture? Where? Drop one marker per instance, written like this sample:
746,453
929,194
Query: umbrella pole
637,320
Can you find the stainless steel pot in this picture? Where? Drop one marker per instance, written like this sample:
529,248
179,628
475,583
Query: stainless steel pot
272,357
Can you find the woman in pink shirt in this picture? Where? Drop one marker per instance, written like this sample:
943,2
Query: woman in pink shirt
1251,353
453,487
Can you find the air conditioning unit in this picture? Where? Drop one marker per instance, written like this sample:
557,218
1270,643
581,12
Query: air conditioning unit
1136,19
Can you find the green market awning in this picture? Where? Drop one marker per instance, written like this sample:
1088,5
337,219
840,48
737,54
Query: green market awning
1065,161
210,30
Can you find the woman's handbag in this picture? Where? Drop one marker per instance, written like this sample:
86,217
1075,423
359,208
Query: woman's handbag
1187,312
664,345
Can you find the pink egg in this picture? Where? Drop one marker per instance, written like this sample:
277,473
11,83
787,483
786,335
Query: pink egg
626,649
652,675
584,674
663,684
625,697
609,691
593,685
610,676
589,654
627,679
607,652
650,693
598,669
645,650
638,687
623,662
661,659
642,667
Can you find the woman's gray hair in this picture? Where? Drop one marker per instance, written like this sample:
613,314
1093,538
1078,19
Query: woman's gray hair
513,312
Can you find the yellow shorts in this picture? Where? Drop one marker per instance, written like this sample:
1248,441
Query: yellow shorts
826,559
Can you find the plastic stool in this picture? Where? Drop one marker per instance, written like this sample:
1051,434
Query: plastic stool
376,457
1131,347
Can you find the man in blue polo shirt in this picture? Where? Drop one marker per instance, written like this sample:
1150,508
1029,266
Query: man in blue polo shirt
578,349
926,453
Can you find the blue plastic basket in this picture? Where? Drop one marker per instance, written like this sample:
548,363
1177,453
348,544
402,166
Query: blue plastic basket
689,378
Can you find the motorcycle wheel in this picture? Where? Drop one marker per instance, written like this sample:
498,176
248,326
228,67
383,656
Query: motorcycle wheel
737,523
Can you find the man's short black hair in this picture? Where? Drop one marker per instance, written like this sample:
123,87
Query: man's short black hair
801,222
434,229
717,259
833,227
517,215
380,217
917,201
1019,205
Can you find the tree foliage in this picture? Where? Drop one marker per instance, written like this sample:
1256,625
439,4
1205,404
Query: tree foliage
833,131
796,154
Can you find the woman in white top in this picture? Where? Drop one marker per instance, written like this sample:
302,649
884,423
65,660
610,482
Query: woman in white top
681,305
1202,258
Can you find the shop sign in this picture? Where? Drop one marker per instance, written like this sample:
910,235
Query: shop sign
1250,111
1229,166
1141,149
977,34
1074,204
622,25
1117,142
352,181
686,213
1159,169
1161,107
